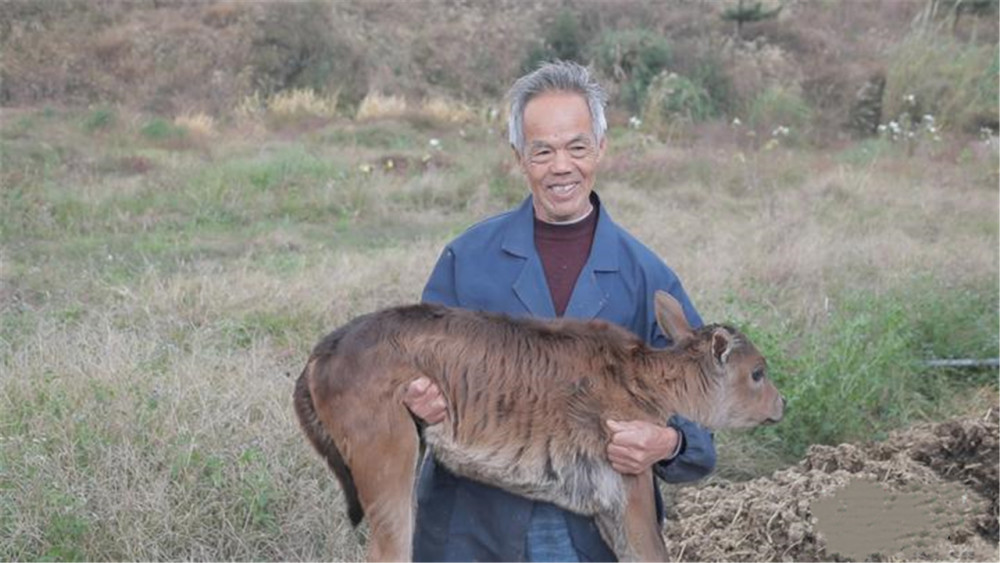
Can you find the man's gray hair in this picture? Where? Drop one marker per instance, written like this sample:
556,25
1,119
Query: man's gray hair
555,76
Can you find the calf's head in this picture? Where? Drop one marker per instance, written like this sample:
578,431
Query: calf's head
738,392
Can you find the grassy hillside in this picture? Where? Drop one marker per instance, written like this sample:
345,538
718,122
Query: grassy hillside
671,63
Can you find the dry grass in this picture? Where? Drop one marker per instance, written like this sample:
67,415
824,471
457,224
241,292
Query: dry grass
297,102
448,111
377,105
199,125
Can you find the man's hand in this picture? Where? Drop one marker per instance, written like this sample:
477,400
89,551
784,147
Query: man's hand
636,445
424,400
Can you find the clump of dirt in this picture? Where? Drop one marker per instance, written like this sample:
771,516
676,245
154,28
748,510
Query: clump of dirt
927,493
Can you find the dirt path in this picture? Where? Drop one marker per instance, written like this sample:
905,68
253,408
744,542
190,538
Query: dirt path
928,493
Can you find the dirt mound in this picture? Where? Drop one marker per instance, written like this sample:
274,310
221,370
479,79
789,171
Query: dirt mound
927,493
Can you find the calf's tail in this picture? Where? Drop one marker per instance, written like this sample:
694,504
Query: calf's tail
324,445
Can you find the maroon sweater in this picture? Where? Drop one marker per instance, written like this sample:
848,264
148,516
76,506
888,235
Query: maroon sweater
564,250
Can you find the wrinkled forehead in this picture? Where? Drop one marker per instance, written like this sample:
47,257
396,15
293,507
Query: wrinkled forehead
558,108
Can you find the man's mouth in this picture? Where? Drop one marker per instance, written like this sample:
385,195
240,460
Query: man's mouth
563,189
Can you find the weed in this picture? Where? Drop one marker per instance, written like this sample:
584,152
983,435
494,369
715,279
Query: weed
99,119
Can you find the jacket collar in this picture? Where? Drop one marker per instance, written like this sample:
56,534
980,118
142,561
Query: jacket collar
531,288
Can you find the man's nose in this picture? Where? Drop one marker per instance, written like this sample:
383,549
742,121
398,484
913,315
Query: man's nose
561,163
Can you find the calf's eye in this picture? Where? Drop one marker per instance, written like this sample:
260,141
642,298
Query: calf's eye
757,374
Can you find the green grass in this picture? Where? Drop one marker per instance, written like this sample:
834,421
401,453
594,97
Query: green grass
860,370
153,318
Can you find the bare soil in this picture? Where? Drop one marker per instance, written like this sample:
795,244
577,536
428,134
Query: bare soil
927,493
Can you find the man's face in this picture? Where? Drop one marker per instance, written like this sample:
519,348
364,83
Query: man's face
560,155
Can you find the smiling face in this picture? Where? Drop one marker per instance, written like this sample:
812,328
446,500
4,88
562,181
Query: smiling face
560,155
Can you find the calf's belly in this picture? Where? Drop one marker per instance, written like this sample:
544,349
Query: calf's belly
580,482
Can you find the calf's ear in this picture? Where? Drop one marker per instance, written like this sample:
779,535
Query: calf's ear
670,317
722,344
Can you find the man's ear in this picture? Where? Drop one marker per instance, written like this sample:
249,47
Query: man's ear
670,317
517,156
602,146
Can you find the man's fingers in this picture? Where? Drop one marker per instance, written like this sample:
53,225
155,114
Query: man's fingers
425,401
417,387
622,454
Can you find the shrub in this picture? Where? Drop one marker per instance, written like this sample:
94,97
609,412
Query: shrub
633,58
671,97
779,107
952,80
562,40
709,74
296,46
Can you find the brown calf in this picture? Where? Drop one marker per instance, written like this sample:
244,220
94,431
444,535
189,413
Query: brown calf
527,405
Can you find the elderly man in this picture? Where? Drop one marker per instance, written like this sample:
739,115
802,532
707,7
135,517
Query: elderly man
557,254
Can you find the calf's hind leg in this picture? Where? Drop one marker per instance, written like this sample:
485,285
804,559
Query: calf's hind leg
382,452
633,532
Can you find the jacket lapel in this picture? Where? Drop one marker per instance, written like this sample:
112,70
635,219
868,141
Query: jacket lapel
588,296
530,286
533,290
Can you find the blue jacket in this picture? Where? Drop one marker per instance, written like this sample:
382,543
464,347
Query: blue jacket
494,267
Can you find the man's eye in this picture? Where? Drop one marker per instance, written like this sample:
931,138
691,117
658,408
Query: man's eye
541,155
579,150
